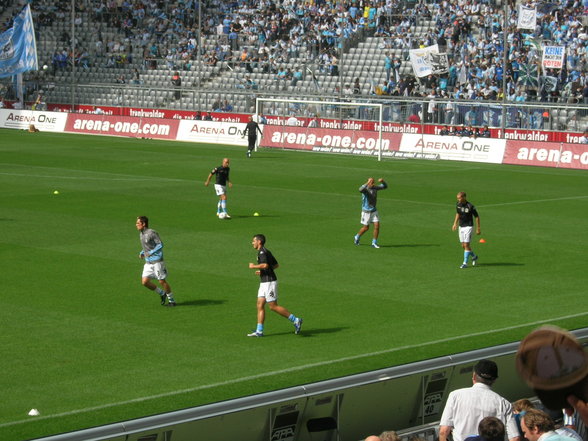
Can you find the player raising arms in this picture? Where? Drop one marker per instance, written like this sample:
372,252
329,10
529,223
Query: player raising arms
268,288
154,267
222,179
466,212
369,213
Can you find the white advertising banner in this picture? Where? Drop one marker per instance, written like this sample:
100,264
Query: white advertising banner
527,18
212,132
553,57
428,61
22,119
455,148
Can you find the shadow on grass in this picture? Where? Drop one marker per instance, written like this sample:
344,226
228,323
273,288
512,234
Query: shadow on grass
307,332
406,245
246,216
500,264
202,302
318,331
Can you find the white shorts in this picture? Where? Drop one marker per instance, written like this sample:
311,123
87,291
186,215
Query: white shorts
155,270
465,234
269,290
369,217
220,189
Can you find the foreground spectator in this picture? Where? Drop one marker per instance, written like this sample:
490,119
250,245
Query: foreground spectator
536,425
466,407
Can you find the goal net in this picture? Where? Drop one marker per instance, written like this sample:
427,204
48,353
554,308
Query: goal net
323,126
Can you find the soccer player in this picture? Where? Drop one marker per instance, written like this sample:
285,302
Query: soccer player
465,215
369,213
154,267
222,179
251,130
268,288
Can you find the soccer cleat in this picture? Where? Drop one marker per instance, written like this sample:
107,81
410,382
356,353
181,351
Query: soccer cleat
255,334
463,265
163,297
375,245
248,153
356,240
217,214
171,304
297,325
474,260
227,216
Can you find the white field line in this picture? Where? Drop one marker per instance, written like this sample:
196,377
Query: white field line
123,177
535,201
287,370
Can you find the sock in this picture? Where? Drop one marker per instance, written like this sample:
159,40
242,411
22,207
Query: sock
357,236
223,205
159,291
218,207
466,256
374,240
170,297
292,318
473,254
259,328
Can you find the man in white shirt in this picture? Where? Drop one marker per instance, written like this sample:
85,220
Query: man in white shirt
466,407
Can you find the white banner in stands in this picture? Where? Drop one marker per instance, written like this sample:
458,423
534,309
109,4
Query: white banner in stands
22,119
455,148
212,132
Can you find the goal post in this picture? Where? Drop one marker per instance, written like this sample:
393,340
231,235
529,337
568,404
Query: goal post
339,115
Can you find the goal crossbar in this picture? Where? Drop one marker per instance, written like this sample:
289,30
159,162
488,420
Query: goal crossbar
378,106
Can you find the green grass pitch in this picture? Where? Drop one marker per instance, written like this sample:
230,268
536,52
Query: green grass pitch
86,344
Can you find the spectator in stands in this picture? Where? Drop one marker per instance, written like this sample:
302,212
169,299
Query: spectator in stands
584,137
217,104
389,435
489,429
208,117
227,107
198,116
466,407
296,76
373,438
537,424
136,77
176,81
484,132
356,87
577,416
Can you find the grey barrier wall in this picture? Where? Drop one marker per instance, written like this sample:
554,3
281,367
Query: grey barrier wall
399,398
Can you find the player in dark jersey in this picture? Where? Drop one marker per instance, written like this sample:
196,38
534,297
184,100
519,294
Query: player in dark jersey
268,287
464,217
222,179
251,130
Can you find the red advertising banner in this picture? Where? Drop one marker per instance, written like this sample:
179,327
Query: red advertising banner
546,154
356,142
122,126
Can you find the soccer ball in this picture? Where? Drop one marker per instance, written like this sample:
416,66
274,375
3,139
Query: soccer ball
45,67
222,215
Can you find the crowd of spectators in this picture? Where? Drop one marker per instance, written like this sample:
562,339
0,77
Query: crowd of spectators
269,35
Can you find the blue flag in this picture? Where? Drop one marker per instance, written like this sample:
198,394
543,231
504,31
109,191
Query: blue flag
18,49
